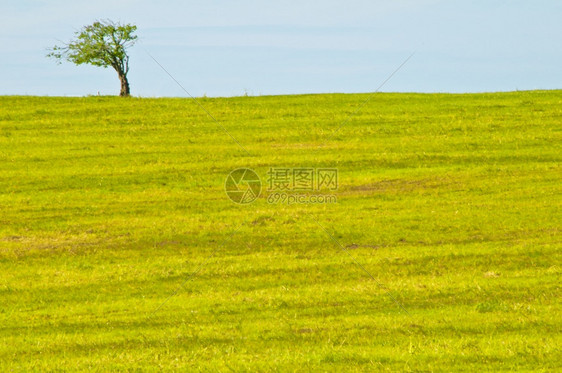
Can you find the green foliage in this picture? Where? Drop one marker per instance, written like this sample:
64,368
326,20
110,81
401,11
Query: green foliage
452,202
103,43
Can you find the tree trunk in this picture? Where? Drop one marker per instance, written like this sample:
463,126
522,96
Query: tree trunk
125,90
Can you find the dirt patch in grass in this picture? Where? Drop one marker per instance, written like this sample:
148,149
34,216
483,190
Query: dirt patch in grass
399,185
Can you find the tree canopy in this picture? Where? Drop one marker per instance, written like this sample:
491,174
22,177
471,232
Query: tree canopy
103,43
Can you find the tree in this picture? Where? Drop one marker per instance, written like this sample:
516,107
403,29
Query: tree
103,43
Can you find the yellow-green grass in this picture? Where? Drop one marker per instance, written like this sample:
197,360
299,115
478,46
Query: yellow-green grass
119,249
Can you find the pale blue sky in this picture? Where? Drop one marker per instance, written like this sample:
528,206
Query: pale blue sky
225,48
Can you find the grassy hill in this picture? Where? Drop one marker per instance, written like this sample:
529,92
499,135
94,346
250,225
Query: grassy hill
119,248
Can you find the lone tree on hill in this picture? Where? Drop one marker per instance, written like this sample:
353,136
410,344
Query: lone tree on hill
103,43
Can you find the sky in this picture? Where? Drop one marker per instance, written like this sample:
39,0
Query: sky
257,47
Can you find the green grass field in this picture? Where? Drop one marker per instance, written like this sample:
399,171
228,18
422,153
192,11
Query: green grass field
120,250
